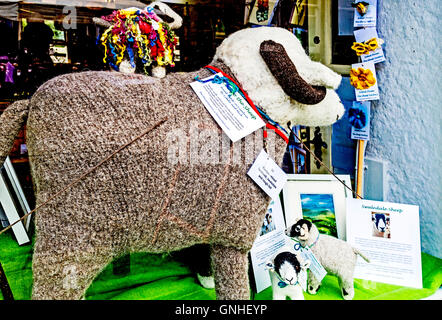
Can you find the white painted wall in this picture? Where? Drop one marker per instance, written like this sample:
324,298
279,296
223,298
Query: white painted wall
406,121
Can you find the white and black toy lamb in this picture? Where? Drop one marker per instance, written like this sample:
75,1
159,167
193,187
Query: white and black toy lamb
335,255
288,272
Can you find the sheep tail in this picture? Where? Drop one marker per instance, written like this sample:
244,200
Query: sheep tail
11,121
362,256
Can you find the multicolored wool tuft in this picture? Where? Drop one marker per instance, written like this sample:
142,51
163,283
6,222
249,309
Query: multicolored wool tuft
138,34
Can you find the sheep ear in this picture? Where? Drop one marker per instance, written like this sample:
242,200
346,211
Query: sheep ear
283,69
161,8
305,265
270,266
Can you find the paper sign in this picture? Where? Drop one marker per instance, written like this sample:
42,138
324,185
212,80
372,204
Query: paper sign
267,174
366,76
367,19
315,266
389,235
366,34
359,117
270,239
231,111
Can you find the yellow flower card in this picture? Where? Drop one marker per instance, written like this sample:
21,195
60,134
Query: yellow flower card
365,13
363,79
368,45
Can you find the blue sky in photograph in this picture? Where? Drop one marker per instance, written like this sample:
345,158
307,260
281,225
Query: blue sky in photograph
317,202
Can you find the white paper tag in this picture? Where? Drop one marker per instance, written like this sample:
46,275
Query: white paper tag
267,174
366,34
372,91
369,18
359,117
231,111
315,267
303,280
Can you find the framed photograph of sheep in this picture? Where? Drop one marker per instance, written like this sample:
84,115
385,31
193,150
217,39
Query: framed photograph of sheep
320,198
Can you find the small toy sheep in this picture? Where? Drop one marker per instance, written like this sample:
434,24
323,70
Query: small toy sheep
287,273
140,34
335,255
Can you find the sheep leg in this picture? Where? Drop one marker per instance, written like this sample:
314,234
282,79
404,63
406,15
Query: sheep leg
278,296
65,274
347,288
230,268
313,284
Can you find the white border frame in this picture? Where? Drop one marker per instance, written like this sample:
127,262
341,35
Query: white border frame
18,191
11,211
317,183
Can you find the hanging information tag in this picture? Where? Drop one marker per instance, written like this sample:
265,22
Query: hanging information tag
230,110
365,13
303,280
315,266
359,117
268,175
363,78
368,37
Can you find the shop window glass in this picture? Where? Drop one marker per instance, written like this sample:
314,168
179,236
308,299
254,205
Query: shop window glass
330,33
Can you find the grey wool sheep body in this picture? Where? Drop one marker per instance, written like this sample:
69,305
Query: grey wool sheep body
150,196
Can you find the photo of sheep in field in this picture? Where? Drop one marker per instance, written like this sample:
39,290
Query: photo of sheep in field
320,210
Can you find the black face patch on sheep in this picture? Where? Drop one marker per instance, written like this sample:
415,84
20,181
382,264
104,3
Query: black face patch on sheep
286,257
378,217
295,231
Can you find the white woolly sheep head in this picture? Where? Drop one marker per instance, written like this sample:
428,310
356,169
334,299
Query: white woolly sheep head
302,230
288,267
272,66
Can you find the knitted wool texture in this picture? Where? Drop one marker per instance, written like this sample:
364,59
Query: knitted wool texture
138,200
181,184
12,120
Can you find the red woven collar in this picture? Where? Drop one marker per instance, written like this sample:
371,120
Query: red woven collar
268,125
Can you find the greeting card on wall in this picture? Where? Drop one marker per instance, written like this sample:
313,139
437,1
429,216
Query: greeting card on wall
263,11
270,239
368,45
363,78
389,235
365,13
359,117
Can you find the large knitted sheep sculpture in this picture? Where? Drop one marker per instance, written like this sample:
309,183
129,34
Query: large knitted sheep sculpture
335,255
182,183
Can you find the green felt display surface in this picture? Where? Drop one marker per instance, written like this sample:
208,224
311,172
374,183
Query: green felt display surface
163,277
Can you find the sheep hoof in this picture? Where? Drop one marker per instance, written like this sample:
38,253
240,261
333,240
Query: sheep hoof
312,290
347,295
206,282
